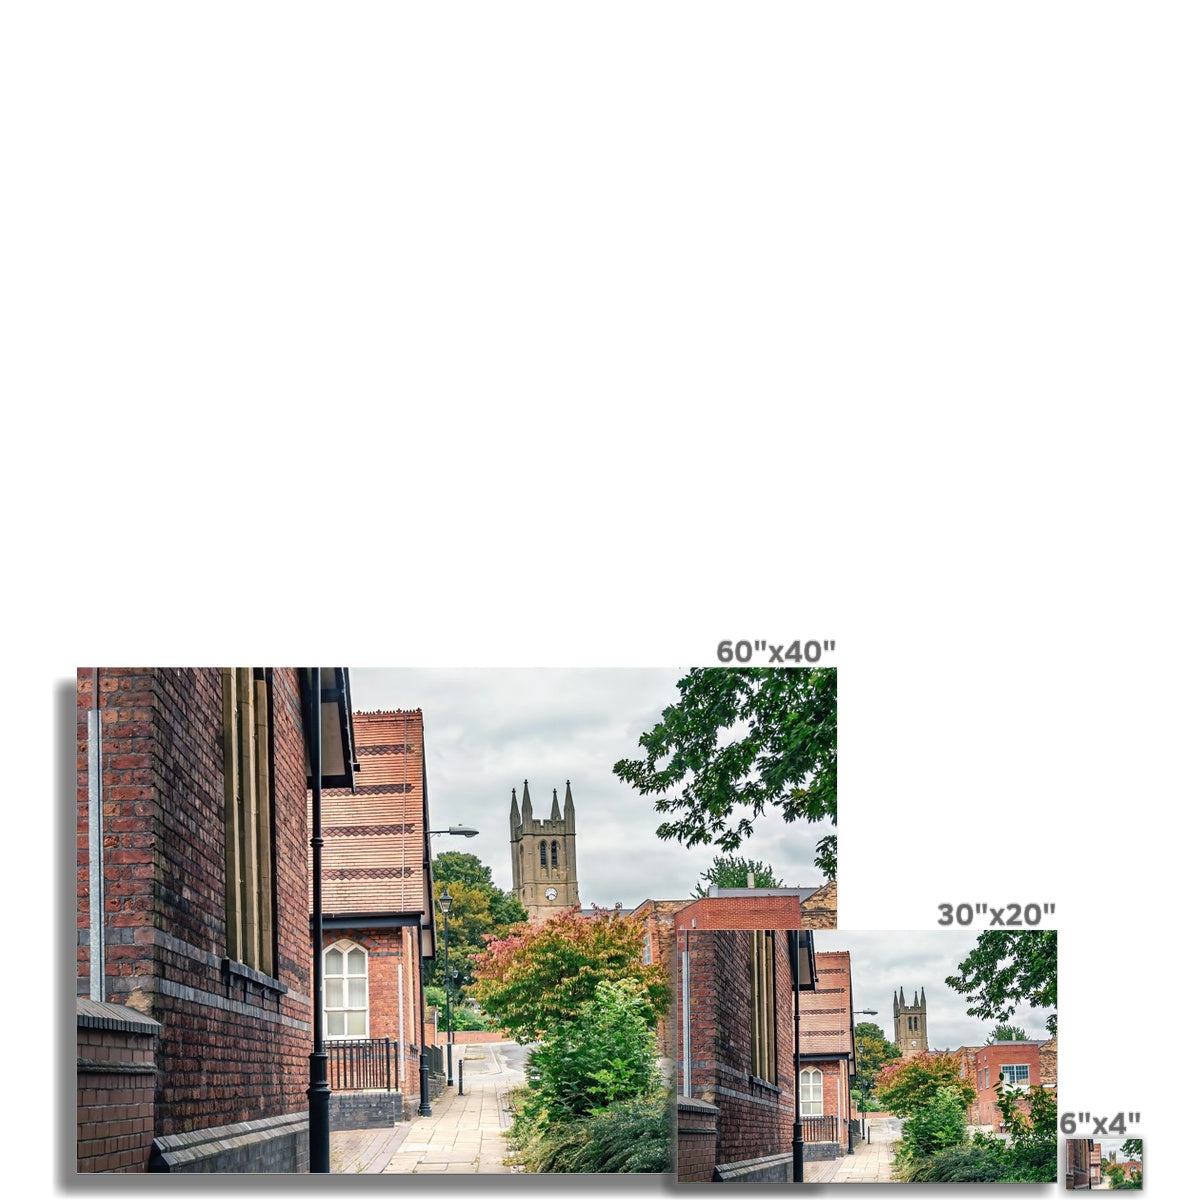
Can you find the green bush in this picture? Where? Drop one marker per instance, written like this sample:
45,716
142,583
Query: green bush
606,1056
635,1135
935,1126
961,1164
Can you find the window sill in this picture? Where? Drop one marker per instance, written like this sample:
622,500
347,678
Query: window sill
232,969
766,1085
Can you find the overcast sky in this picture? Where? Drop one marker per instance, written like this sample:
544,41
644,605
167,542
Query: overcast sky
488,730
883,963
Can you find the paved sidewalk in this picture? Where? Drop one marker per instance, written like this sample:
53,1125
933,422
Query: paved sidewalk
871,1161
364,1151
465,1134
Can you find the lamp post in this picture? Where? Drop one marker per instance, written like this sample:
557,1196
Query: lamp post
318,1061
445,903
864,1012
804,979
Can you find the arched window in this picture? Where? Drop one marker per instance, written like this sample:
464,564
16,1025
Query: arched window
345,990
811,1093
554,855
542,854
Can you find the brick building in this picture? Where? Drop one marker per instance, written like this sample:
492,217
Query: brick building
193,983
1077,1160
666,921
736,1057
378,922
1019,1064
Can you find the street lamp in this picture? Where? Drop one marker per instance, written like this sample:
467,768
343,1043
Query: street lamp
864,1012
445,903
457,830
804,979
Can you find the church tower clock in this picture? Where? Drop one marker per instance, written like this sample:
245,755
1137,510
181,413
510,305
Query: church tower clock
545,879
912,1031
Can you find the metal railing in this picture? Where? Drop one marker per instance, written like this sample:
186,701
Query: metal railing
436,1060
820,1129
364,1064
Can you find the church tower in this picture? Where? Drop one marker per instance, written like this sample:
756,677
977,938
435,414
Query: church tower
912,1031
543,855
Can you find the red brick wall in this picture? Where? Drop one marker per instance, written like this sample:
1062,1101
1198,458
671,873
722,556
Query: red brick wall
755,1116
696,1142
741,912
230,1049
392,965
990,1059
115,1112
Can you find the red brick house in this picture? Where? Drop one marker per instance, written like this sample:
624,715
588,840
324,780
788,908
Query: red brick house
378,922
736,1059
193,989
1018,1064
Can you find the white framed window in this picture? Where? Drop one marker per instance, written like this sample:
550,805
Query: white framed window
346,991
1015,1074
811,1093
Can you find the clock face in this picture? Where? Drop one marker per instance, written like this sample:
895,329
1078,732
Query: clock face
912,1043
552,893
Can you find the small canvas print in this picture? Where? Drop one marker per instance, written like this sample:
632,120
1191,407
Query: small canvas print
1103,1164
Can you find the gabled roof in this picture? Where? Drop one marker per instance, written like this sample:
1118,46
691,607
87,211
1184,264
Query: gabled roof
373,861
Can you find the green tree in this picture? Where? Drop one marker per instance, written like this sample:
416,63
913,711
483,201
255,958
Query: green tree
1008,967
1007,1033
478,910
729,871
539,977
872,1052
905,1086
782,752
1132,1148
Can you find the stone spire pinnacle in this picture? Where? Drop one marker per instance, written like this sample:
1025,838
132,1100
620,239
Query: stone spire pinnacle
555,813
569,809
526,806
514,815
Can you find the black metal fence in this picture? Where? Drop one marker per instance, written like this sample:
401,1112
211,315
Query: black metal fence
820,1129
436,1060
364,1064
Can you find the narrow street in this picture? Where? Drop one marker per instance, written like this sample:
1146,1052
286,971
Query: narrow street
465,1135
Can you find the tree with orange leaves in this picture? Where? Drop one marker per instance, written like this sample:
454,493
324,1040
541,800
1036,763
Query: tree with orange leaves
538,979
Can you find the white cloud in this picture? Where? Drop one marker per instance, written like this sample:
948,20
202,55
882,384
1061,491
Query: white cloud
487,730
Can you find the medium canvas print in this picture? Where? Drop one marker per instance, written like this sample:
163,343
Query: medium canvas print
831,1056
